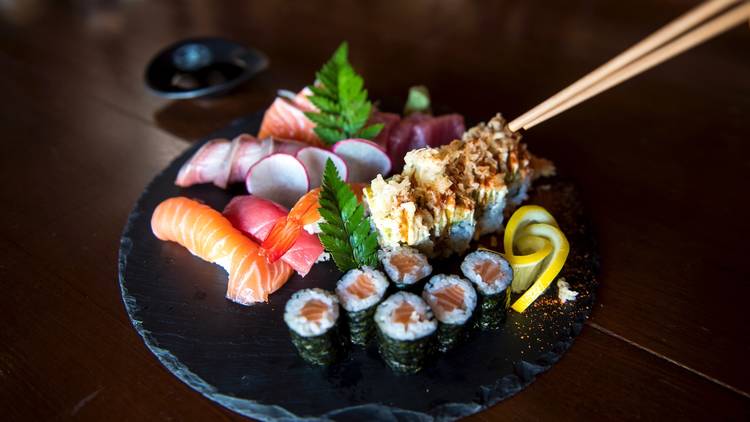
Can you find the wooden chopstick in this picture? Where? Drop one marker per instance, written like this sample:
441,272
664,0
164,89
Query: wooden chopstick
658,38
720,24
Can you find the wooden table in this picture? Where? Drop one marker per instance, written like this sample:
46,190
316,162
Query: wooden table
662,162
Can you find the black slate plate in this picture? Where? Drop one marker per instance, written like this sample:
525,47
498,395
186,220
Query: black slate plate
242,358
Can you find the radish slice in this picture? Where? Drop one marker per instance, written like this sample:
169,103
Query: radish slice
280,178
364,159
314,159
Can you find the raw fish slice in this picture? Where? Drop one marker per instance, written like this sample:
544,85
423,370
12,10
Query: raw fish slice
210,236
207,164
302,102
313,310
288,147
256,216
363,287
400,139
390,122
246,151
420,131
253,215
284,120
437,131
450,298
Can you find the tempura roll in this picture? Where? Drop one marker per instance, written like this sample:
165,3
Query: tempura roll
404,265
359,292
452,300
312,317
406,328
492,276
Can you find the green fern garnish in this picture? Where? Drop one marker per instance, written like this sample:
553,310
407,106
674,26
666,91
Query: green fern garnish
346,232
342,100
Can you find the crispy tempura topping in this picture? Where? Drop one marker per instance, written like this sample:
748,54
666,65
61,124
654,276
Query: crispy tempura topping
442,187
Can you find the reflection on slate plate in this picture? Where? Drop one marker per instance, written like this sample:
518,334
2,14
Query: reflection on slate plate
242,357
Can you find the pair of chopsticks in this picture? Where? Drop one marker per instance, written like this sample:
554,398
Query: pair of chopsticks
656,48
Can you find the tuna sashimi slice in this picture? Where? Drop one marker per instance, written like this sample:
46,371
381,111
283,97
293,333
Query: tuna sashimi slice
256,217
389,121
400,139
438,131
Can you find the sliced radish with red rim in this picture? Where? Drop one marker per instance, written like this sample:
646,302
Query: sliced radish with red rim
364,159
280,178
314,159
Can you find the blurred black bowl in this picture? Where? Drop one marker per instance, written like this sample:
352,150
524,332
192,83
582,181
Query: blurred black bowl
199,67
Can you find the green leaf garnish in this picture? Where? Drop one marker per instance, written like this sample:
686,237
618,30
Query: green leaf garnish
345,233
342,100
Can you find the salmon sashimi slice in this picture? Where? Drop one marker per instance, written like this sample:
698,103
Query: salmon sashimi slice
403,314
256,216
314,310
450,298
404,263
285,120
362,287
210,236
286,230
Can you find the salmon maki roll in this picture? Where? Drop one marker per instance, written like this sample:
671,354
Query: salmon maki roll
492,275
210,236
406,328
404,265
359,292
312,317
452,300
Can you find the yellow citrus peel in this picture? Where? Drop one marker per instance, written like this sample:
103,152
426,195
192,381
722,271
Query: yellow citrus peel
537,250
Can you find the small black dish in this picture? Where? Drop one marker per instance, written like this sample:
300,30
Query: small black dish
199,67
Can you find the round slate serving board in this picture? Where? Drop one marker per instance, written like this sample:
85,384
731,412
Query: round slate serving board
242,357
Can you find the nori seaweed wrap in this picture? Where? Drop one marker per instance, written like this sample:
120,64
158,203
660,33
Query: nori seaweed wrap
312,318
359,292
452,300
492,275
406,328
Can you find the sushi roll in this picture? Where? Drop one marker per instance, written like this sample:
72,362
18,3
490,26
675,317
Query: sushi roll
406,328
452,300
404,265
312,317
492,275
359,292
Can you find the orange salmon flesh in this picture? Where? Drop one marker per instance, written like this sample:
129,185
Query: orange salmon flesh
363,287
209,235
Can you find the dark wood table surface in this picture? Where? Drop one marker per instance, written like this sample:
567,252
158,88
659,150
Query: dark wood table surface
662,162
